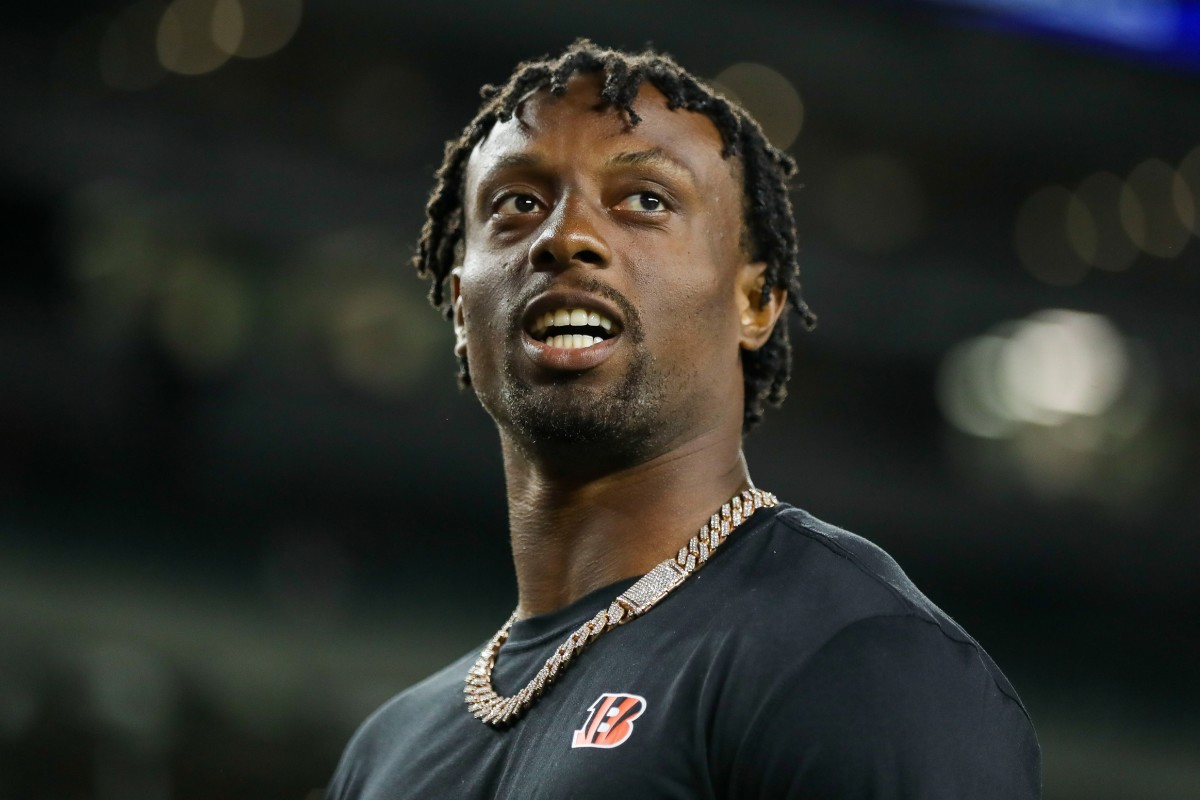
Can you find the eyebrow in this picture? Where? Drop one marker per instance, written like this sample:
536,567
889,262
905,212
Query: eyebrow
515,160
655,157
502,165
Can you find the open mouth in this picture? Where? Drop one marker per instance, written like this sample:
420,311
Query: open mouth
572,328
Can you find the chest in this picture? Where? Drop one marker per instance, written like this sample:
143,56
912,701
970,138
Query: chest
619,723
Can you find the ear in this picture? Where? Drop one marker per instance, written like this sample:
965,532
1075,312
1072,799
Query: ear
757,317
460,320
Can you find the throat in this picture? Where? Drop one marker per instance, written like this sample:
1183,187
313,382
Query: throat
570,538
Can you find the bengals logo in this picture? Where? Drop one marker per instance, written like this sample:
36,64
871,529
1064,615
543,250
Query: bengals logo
610,721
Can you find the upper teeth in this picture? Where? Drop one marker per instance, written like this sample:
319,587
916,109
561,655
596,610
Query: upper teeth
574,318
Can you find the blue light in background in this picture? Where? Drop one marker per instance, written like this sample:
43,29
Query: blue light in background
1165,30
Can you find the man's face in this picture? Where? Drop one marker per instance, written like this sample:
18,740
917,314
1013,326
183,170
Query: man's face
598,296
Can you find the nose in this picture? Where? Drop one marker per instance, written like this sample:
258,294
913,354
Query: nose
570,236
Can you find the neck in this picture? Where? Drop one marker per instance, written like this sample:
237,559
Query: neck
575,530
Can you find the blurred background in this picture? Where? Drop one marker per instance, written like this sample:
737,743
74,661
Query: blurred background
242,501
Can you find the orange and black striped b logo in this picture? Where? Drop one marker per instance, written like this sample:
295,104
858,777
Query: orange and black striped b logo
610,720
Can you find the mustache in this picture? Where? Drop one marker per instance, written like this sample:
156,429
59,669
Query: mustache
632,319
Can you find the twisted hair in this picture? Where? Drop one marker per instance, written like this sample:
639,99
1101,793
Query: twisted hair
769,229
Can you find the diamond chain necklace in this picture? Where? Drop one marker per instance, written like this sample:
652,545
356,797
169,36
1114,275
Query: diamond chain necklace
487,705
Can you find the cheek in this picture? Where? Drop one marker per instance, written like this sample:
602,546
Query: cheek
702,274
688,302
481,291
485,286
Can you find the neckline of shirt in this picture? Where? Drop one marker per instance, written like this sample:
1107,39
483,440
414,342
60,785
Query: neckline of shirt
533,632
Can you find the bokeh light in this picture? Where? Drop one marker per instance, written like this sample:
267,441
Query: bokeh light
1082,230
1113,249
203,314
1057,368
228,26
1059,364
1157,209
1061,403
1189,173
135,268
348,304
968,388
1053,227
767,95
185,37
376,338
116,250
255,28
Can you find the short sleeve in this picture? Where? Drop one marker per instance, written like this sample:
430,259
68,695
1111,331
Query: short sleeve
348,774
890,707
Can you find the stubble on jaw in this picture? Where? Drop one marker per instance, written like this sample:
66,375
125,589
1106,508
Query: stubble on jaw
623,419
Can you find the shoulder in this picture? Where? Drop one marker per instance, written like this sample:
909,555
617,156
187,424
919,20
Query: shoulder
414,711
805,576
419,702
889,707
800,584
865,579
859,676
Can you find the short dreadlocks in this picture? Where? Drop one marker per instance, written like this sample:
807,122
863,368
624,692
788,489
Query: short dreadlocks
769,228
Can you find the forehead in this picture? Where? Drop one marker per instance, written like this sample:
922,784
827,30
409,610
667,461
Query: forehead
577,128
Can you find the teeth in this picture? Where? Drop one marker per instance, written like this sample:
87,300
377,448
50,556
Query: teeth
573,341
575,318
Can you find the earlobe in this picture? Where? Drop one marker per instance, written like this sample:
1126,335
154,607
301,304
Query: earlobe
758,314
460,319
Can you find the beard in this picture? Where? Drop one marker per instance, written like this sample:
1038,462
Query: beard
626,416
623,418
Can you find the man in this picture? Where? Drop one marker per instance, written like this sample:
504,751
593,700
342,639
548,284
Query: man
618,247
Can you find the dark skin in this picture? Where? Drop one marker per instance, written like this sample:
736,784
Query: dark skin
614,455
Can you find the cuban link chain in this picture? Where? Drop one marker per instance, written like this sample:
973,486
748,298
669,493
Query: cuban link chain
490,707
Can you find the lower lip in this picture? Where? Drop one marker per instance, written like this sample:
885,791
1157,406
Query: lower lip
568,359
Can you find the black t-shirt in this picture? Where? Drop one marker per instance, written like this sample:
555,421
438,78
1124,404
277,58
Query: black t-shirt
800,662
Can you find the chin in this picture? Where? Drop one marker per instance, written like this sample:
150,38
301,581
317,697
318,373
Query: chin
626,416
572,414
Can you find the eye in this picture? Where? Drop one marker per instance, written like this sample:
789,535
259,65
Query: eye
642,201
518,204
